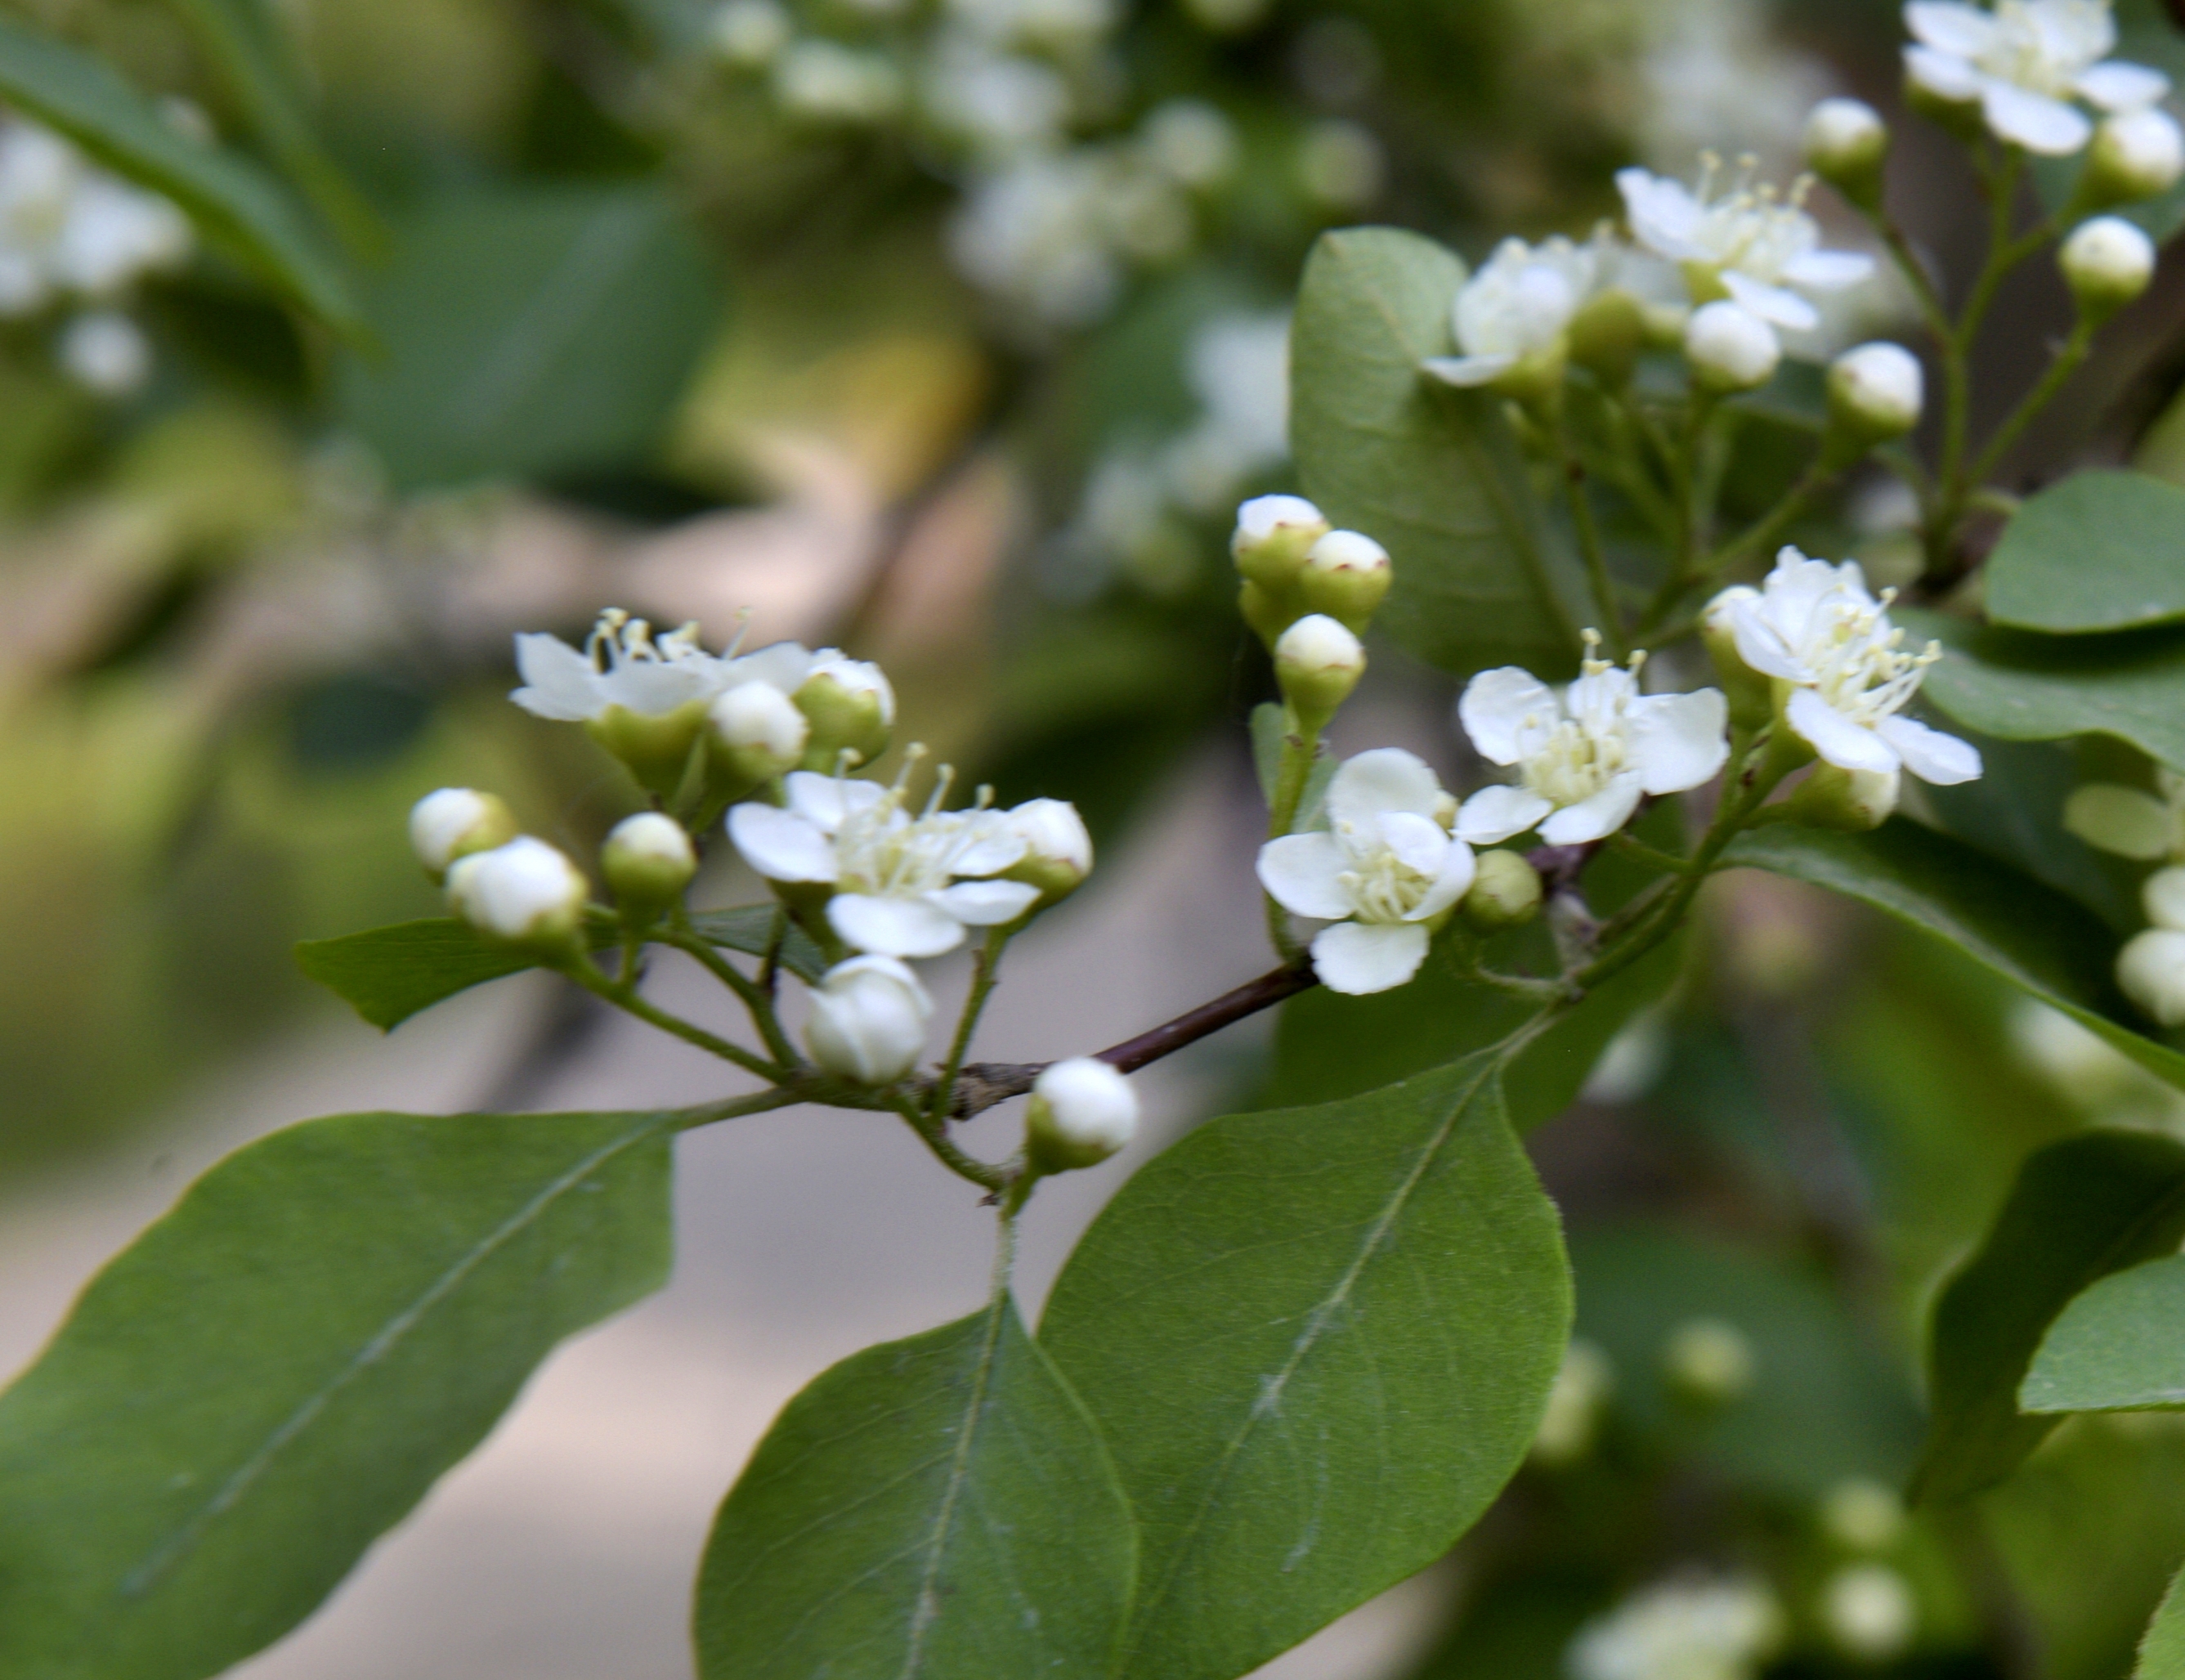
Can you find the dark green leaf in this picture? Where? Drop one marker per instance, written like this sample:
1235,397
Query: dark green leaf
530,331
2081,1208
749,928
937,1507
1318,1341
2120,1345
2099,551
2162,1652
2009,923
231,201
1430,473
274,1373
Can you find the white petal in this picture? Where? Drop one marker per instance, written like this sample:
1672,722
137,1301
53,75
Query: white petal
559,682
1496,707
1595,819
1944,75
1496,813
994,845
1356,957
899,927
1385,779
2034,120
1301,872
1963,32
1458,866
1468,370
1828,271
785,665
1941,759
1836,738
1418,842
2117,85
1758,643
1677,741
1771,304
781,845
1664,216
986,903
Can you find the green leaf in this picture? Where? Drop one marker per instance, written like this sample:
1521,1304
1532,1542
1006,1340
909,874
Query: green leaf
532,332
1318,1342
2012,924
273,1374
231,199
2162,1652
2019,687
749,928
2119,1345
2101,550
1430,473
937,1507
2080,1209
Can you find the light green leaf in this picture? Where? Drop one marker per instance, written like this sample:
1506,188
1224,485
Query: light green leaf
532,331
2012,924
1318,1341
232,200
1430,473
2120,1345
2101,550
2019,687
2080,1209
936,1509
272,1375
2162,1652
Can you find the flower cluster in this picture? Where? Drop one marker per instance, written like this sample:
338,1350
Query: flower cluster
1682,1630
2022,65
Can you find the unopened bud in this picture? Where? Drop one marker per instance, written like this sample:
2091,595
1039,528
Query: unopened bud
1605,334
1082,1111
1752,697
1273,535
1058,848
1505,892
1708,1360
1846,143
755,733
868,1020
654,746
1318,663
1345,575
1730,348
1874,394
2163,895
2151,969
521,893
2136,155
2107,262
1869,1612
1269,612
851,709
1851,801
648,860
453,822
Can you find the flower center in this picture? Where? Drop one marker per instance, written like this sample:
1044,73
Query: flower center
618,639
1380,885
881,852
2025,49
1858,663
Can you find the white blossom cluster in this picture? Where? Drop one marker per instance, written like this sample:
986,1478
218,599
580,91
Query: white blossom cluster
1682,1629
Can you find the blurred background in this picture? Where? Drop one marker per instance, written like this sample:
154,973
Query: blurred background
952,332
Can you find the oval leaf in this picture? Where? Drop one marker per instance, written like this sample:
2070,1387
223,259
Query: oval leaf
1318,1342
273,1374
936,1509
2119,1346
2099,551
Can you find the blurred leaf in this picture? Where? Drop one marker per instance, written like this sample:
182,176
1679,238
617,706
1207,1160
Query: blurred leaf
1430,473
531,331
2162,1652
2009,923
229,199
273,1374
2080,1209
1318,1341
2119,1345
2101,550
937,1507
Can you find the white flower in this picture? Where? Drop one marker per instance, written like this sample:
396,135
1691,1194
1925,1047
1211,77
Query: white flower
524,892
623,663
68,227
1082,1112
1387,873
1583,756
2024,62
1814,626
1516,309
868,1020
1752,242
1681,1630
103,350
905,886
1870,1611
2131,823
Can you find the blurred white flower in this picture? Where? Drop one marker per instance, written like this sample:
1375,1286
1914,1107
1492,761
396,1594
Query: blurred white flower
68,227
1581,1388
1681,1630
1341,165
2024,62
997,103
1515,310
1870,1611
105,351
749,34
1191,140
1034,233
824,81
1715,74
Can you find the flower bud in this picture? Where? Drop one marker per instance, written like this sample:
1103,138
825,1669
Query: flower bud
1708,1360
1318,662
2151,969
654,746
1268,612
2107,262
851,709
1082,1111
1057,848
522,893
1875,393
1869,1612
1505,892
1345,575
1604,336
2136,155
648,860
868,1020
756,733
2163,893
1729,348
453,822
1751,698
1273,535
1849,801
1846,143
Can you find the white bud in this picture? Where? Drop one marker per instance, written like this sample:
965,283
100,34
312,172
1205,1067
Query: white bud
1729,348
1709,1359
1846,141
2151,969
1318,662
1058,846
851,707
1875,393
2107,262
750,34
1346,573
2136,155
868,1020
648,860
1273,535
524,892
758,730
454,822
2163,895
1082,1111
1870,1611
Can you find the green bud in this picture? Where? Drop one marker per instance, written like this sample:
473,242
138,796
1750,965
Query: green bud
648,860
1851,801
655,747
1345,576
849,707
1318,662
1605,334
2136,155
1269,612
1505,892
1057,848
1273,535
1846,143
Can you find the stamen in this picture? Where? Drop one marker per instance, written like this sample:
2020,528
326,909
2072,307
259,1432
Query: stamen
743,628
942,779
